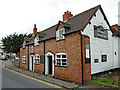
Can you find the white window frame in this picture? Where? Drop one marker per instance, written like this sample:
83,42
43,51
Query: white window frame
61,59
24,59
24,44
37,59
36,41
60,34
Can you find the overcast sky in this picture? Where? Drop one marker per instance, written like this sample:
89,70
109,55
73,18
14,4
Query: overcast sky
20,15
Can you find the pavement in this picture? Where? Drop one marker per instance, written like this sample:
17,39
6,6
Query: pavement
64,84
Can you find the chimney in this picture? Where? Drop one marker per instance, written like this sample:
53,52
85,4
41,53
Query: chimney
115,26
34,30
66,15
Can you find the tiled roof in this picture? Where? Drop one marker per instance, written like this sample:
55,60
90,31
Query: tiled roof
77,22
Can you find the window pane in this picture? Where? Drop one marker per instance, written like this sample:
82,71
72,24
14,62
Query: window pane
64,64
63,60
63,56
104,58
58,56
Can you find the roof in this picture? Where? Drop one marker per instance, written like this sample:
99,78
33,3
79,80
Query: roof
75,23
116,32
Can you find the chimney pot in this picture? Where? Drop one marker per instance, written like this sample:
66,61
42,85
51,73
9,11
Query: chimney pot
34,30
67,15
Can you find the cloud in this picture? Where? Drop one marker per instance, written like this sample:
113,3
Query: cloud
20,15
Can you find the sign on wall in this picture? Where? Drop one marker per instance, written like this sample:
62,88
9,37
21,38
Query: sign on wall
100,32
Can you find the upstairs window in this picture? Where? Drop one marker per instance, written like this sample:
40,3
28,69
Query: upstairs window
24,45
60,34
36,59
36,41
61,59
24,59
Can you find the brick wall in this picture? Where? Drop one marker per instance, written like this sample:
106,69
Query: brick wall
72,47
24,52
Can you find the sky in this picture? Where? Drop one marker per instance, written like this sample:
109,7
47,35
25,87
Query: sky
20,15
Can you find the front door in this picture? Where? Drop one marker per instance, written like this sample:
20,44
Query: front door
31,63
50,64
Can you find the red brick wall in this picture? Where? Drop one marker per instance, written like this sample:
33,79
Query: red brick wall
24,52
39,50
72,47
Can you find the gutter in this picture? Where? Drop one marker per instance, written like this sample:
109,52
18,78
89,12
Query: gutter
28,58
81,56
44,57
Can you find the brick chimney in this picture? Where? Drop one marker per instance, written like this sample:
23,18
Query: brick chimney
66,15
34,30
115,26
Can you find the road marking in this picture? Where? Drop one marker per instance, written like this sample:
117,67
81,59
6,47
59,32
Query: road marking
49,84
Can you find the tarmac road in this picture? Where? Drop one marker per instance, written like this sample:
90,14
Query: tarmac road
13,80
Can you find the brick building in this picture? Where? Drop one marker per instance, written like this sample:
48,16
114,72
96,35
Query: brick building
72,49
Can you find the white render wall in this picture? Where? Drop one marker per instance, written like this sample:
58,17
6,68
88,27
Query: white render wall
99,46
119,52
115,49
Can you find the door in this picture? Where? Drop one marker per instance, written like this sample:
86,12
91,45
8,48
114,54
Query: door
50,64
31,63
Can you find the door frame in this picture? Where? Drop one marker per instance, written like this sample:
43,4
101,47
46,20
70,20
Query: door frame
31,62
47,63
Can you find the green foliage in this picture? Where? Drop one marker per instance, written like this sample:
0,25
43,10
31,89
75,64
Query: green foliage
105,80
13,41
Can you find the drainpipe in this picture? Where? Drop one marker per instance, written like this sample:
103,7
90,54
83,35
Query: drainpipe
28,57
81,56
44,57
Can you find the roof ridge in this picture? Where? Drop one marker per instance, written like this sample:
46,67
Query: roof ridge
85,11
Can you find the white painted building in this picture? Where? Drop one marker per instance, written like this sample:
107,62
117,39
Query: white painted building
102,44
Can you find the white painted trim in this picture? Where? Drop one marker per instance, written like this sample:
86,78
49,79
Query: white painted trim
46,63
31,62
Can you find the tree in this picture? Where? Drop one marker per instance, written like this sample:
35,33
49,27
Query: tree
12,42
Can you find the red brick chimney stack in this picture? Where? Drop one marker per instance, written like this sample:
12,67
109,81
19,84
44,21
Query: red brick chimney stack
115,26
34,30
66,15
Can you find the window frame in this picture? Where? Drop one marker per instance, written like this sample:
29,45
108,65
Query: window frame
61,59
37,59
102,58
24,45
24,60
60,34
36,41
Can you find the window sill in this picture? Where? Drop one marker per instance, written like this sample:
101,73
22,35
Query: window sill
36,63
59,40
61,66
23,63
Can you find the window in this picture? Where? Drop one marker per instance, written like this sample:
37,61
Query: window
36,41
61,59
24,60
24,45
104,58
36,59
42,59
60,34
95,60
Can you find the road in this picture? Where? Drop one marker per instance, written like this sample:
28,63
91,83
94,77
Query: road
13,80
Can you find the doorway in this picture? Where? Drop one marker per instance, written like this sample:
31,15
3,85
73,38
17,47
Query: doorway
32,63
49,63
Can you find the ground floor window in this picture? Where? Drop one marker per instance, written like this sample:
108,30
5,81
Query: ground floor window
104,58
24,59
36,59
61,59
